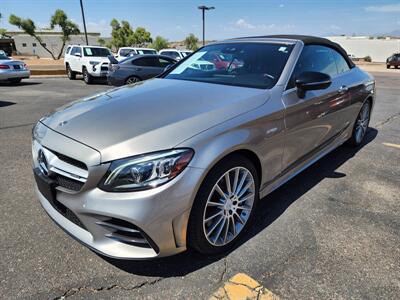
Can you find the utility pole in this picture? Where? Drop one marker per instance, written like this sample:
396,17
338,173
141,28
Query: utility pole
203,8
84,23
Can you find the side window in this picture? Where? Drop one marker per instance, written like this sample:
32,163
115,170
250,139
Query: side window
316,59
165,62
76,50
341,63
146,62
67,51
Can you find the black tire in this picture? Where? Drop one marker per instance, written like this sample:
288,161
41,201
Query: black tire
353,140
196,237
15,80
71,74
396,67
387,66
132,80
86,76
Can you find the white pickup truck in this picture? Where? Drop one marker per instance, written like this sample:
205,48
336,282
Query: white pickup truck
90,61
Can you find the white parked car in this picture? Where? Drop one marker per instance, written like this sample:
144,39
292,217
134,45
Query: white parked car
174,53
12,70
90,61
125,52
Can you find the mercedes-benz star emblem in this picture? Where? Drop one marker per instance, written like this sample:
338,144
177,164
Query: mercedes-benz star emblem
43,165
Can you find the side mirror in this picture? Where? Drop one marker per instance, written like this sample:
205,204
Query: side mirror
78,54
308,81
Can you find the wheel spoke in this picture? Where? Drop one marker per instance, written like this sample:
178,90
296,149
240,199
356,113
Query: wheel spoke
244,190
240,219
220,230
249,196
210,203
221,192
228,183
235,181
242,180
213,216
215,226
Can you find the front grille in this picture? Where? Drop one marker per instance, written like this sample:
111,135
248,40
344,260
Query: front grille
66,212
68,183
70,160
104,67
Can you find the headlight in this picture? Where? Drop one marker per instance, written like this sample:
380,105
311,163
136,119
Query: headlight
93,63
145,171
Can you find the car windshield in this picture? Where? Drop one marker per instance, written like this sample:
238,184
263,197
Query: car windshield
256,65
146,51
97,52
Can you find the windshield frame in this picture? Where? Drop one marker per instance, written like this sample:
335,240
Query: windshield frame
282,75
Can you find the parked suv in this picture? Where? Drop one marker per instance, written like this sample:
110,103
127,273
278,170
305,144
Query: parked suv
125,52
393,60
90,61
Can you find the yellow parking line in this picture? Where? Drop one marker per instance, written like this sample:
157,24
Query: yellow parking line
242,286
397,146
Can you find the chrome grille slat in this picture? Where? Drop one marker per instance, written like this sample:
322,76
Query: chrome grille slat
116,227
125,239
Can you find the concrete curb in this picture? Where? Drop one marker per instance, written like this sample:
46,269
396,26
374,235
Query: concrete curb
48,72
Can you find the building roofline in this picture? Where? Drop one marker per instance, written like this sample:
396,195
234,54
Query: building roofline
49,32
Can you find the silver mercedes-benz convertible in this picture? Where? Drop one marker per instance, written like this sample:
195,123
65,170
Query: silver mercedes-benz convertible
179,161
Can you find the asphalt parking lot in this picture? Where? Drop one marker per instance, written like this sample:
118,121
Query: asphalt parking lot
331,232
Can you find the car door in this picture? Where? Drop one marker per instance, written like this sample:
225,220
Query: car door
307,127
76,60
147,67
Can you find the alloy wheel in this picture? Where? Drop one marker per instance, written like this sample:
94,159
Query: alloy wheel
131,80
362,123
229,206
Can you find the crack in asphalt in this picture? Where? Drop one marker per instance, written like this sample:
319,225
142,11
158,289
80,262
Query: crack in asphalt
74,291
387,120
224,270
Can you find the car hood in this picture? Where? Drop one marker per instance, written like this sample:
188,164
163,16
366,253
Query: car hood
152,115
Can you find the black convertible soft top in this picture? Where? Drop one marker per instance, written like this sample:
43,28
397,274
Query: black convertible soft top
309,40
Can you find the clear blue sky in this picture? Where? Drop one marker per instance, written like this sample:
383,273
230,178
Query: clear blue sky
174,19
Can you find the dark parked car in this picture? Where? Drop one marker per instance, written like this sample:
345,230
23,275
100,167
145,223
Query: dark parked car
393,60
137,68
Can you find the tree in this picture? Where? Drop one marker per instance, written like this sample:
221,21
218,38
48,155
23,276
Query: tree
122,35
68,27
141,37
59,19
159,43
191,42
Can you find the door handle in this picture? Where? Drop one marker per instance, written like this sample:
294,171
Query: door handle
343,89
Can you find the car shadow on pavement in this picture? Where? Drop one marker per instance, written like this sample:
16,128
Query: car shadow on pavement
22,83
6,103
268,210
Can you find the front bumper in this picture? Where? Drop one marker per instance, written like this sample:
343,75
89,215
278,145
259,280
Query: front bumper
161,215
99,70
12,74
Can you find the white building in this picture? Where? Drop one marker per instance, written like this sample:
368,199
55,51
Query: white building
28,45
361,46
